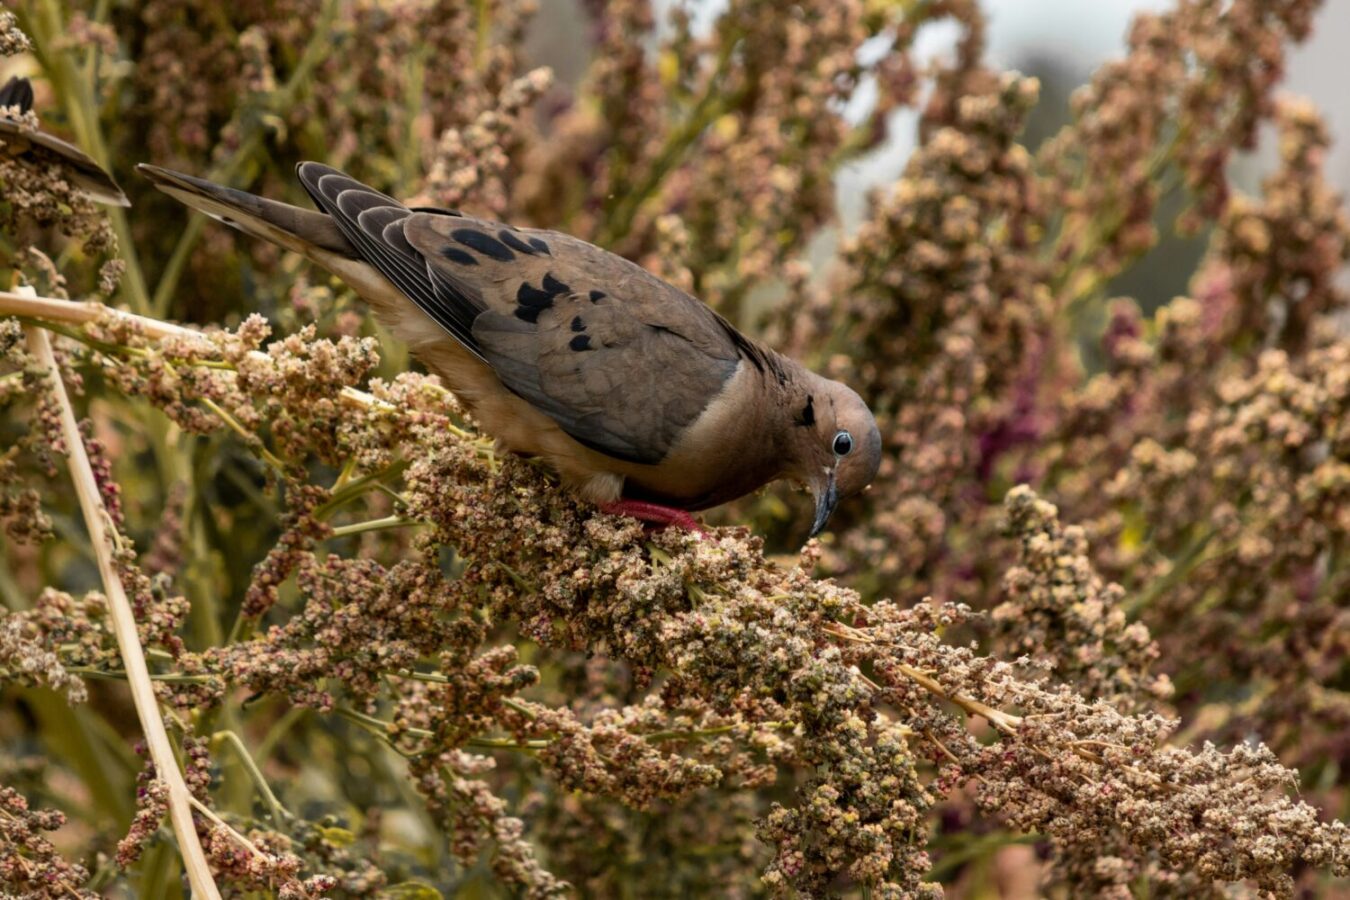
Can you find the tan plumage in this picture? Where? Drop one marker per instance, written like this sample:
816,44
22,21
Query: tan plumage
629,388
19,140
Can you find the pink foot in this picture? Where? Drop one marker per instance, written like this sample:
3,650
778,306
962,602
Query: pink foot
654,513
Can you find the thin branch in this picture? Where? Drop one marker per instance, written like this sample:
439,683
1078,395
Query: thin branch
714,101
379,727
21,303
124,628
279,813
343,492
1006,723
112,675
26,302
374,525
228,828
249,437
43,311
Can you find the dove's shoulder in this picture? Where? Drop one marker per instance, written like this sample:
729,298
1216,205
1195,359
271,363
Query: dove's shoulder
621,359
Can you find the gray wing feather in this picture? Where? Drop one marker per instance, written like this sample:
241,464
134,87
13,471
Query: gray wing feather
622,361
589,406
371,221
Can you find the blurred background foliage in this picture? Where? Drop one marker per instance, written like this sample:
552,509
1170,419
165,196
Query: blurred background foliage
1095,285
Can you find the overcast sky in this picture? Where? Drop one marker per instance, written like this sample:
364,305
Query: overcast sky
1079,35
1075,35
1083,34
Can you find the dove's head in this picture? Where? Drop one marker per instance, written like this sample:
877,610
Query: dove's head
836,446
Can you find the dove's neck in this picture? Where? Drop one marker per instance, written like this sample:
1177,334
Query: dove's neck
784,408
803,420
795,393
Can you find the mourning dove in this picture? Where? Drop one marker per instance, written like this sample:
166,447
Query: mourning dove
17,138
643,399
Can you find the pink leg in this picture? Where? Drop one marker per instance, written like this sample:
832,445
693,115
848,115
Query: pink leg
654,513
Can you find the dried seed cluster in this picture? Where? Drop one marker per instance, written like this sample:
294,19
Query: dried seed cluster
394,659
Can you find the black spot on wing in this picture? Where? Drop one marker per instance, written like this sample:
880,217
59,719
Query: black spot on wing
515,243
577,324
538,244
456,255
807,417
531,296
532,300
580,342
485,244
597,296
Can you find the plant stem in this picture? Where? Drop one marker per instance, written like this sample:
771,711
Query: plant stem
1004,722
124,628
382,729
249,437
378,727
374,525
345,475
278,731
278,812
711,104
344,492
49,309
108,675
1186,562
228,828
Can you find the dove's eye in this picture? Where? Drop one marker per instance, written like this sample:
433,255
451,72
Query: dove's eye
843,443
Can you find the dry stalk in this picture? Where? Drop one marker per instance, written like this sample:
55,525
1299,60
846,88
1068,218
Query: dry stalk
25,302
124,627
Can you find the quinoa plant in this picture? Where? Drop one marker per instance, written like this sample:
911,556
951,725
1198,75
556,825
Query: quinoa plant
276,619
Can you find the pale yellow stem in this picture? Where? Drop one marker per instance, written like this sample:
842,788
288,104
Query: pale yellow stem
25,303
228,829
124,629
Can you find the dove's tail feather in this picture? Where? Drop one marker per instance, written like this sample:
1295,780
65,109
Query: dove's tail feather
315,236
312,234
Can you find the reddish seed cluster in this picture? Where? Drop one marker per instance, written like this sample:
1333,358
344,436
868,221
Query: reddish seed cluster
152,808
29,865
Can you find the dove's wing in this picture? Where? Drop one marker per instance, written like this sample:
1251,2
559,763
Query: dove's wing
621,360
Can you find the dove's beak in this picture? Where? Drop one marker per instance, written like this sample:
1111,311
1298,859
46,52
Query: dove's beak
827,497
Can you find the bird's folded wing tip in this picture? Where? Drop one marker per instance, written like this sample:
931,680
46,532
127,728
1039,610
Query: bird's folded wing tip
154,173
